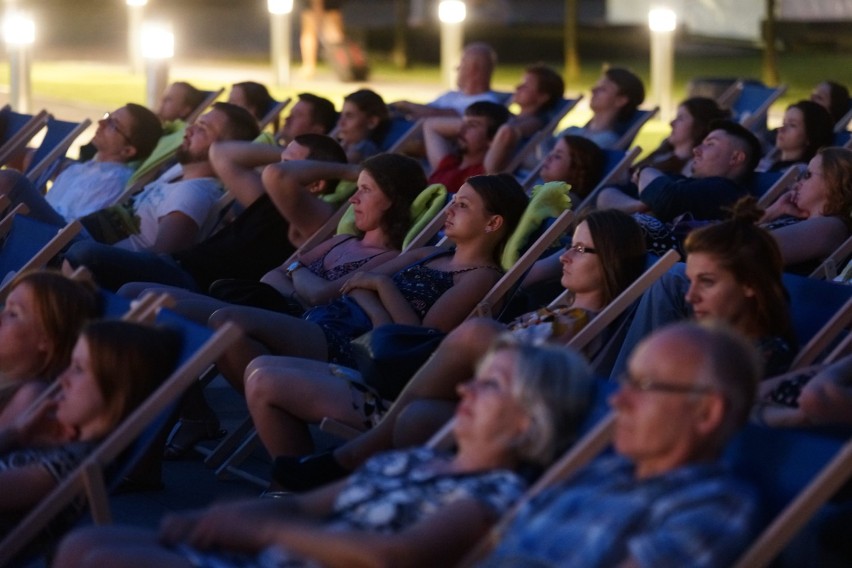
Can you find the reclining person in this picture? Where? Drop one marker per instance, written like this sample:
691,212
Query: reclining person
128,134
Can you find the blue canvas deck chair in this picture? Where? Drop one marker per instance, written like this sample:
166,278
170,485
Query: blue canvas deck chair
209,98
273,112
201,346
751,101
640,117
401,130
48,157
769,186
618,163
829,268
840,125
20,129
29,244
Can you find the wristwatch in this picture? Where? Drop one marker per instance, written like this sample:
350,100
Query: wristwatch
294,266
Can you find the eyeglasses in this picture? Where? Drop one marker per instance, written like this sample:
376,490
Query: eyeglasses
580,249
628,381
112,123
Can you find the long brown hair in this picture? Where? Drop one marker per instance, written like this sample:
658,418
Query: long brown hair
620,247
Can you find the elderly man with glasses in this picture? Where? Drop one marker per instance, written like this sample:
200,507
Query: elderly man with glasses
663,498
128,134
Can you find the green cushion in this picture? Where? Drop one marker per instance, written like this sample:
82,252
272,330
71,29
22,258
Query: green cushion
548,201
426,205
266,138
164,151
341,193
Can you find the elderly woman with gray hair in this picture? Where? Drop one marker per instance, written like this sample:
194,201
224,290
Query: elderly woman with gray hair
523,407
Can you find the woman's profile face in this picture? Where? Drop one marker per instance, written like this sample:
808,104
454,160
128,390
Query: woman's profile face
714,293
466,216
582,271
811,192
792,136
488,412
369,203
557,164
23,340
80,404
682,125
353,125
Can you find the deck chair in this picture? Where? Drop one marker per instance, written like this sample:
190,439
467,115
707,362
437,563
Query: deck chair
48,156
401,129
201,347
617,163
829,268
20,129
820,311
209,99
640,117
753,102
530,145
841,124
770,186
273,113
29,244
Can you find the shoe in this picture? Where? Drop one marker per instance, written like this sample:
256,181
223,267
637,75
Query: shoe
187,433
307,472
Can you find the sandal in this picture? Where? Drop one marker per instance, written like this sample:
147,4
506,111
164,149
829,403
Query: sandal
187,433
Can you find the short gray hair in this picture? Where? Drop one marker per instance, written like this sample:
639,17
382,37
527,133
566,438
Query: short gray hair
554,384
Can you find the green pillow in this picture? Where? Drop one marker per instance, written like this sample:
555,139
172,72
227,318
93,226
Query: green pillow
548,201
165,150
425,206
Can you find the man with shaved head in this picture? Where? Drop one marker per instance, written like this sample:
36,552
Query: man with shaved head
663,498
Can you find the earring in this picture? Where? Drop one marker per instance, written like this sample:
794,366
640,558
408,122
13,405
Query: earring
488,229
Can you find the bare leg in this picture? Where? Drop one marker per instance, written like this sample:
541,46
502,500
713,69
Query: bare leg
266,332
308,39
192,305
453,363
285,394
114,546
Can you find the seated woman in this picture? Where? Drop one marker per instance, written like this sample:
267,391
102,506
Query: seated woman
816,396
690,127
429,286
115,365
807,127
39,324
363,123
387,185
733,274
834,97
578,162
418,506
607,254
615,98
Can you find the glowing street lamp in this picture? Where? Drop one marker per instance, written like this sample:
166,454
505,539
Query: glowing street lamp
157,48
135,9
279,38
19,34
452,14
662,22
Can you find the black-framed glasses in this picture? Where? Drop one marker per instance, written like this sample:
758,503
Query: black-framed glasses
112,123
626,380
580,249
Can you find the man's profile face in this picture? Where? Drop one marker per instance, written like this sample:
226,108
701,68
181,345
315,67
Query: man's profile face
200,135
655,425
299,121
473,137
714,156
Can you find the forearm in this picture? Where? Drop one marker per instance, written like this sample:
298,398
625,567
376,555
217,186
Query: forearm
235,163
501,149
438,135
613,198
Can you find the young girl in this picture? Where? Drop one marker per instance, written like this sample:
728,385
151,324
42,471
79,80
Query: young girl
807,127
577,161
114,366
363,123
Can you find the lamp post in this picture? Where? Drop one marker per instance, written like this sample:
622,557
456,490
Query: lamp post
279,38
135,9
19,34
451,13
158,47
662,22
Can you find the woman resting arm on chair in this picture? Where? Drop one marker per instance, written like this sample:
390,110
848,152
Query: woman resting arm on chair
427,286
114,366
607,254
415,507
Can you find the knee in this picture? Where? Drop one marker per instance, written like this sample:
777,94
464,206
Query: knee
83,253
260,383
75,549
224,315
474,335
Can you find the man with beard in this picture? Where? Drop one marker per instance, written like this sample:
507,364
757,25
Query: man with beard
167,215
127,134
456,154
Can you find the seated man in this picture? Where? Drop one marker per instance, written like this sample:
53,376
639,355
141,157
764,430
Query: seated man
457,151
722,165
662,499
168,214
252,244
179,100
128,134
473,78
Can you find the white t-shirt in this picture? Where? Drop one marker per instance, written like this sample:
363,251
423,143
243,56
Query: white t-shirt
195,198
86,187
458,101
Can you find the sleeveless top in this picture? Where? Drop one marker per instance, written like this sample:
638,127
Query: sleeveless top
318,268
